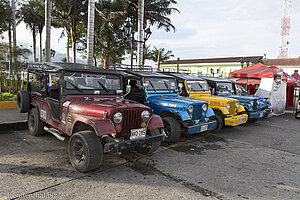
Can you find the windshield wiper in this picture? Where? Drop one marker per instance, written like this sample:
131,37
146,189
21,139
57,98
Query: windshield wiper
103,87
201,86
152,85
74,86
167,86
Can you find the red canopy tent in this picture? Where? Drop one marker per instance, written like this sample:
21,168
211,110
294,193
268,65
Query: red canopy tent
254,71
249,81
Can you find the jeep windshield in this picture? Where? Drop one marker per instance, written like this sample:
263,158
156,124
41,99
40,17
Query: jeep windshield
92,81
197,86
225,88
158,84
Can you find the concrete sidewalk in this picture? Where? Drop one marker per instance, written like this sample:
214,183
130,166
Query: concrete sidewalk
11,116
11,119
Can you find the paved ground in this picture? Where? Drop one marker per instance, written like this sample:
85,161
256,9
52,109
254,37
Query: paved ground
11,115
255,161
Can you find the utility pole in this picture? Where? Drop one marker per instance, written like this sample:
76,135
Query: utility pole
140,46
48,30
285,28
90,33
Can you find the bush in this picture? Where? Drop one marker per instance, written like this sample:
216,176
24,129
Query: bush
8,97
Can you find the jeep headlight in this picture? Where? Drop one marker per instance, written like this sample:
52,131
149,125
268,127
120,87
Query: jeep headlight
204,108
145,115
252,103
228,106
190,109
117,118
237,105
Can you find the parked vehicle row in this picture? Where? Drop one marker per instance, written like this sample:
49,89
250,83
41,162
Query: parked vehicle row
106,111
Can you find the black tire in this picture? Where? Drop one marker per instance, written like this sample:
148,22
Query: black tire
149,148
85,151
172,129
35,125
297,113
23,101
220,123
252,120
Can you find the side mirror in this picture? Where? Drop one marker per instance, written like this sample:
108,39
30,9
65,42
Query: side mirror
212,91
128,88
145,85
180,87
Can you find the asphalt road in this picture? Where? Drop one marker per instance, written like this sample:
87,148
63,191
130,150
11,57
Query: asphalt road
255,161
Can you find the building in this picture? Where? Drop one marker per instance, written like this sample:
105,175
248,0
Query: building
223,66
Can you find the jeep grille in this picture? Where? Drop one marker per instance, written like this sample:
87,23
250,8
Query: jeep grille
197,114
131,120
232,109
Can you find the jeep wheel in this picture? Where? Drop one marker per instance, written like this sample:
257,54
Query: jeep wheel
149,148
23,101
85,151
252,120
172,129
220,123
35,125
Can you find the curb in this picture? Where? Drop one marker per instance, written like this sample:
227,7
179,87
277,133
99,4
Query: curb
9,126
8,104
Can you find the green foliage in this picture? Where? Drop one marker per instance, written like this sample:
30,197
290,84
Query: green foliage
8,97
164,54
5,13
21,52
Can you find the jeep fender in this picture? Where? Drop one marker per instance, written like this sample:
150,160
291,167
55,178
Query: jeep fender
247,106
183,115
223,110
100,126
209,112
155,122
241,109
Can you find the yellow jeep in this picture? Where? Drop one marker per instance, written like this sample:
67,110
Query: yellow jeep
228,111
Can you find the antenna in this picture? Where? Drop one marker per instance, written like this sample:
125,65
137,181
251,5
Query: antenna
285,29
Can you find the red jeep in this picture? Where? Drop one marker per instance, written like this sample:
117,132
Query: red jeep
87,103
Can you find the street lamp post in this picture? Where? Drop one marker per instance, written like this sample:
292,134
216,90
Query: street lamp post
128,34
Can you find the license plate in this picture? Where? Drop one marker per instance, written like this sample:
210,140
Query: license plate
261,115
204,128
138,134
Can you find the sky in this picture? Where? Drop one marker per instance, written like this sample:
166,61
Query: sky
215,28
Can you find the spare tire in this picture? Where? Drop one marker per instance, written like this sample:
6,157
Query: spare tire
23,101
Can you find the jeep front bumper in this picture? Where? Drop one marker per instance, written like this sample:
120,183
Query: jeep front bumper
126,144
257,114
236,120
202,127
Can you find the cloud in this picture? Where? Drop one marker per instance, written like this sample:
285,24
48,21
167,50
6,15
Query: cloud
228,28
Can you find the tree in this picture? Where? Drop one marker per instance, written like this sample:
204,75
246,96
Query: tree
162,54
72,13
30,16
90,31
109,46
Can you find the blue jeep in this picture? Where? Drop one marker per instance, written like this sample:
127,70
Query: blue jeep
224,87
240,90
160,93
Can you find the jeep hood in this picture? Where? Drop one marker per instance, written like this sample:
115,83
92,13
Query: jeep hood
173,100
211,98
243,99
97,106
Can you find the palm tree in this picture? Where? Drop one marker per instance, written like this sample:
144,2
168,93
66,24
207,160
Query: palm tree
161,55
90,32
48,30
29,17
109,44
73,13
